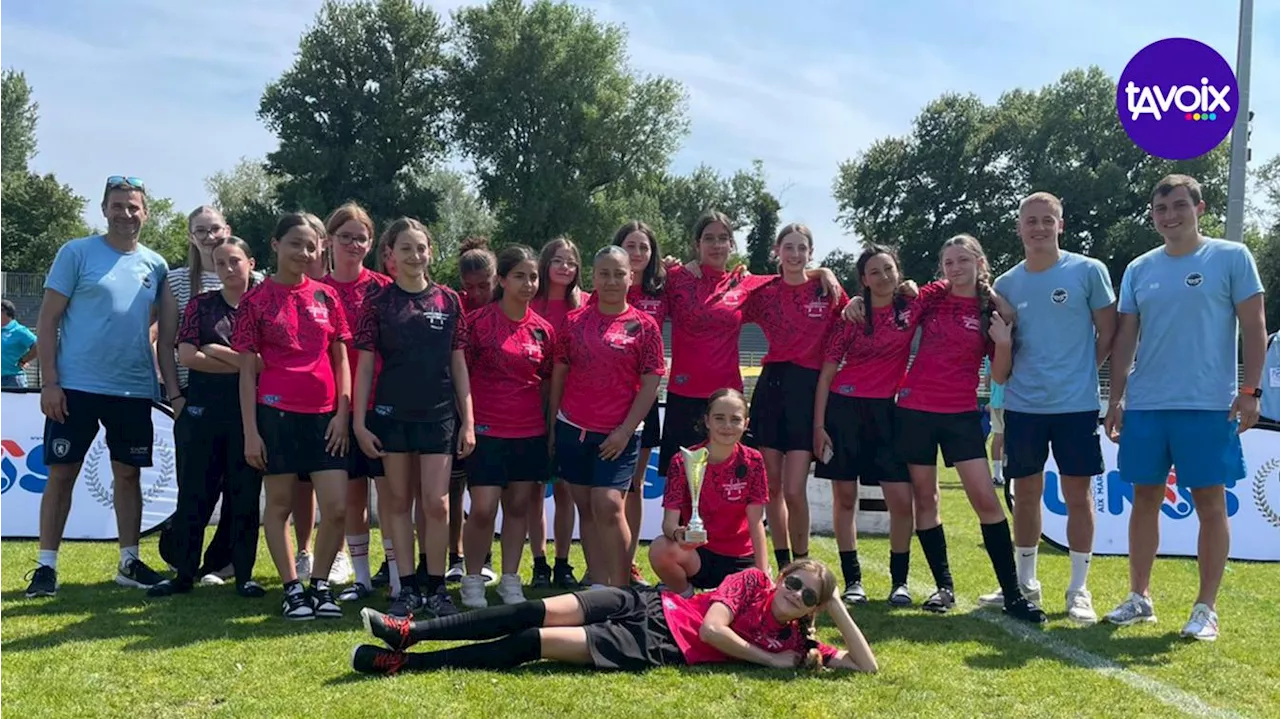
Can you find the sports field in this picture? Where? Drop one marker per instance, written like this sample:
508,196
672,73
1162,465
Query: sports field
102,650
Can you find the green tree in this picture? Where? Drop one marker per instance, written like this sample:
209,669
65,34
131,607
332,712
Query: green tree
40,214
360,111
1267,250
166,231
546,108
845,266
248,195
764,230
18,117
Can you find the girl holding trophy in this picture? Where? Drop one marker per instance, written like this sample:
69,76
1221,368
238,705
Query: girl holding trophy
713,523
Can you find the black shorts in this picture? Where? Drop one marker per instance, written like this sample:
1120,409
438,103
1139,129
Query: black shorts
359,464
627,630
403,437
920,434
497,462
1077,446
782,407
127,421
715,567
862,441
651,435
683,427
295,442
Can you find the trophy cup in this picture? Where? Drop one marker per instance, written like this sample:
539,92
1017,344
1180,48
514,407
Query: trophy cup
695,469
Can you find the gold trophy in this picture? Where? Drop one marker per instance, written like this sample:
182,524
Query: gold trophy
695,469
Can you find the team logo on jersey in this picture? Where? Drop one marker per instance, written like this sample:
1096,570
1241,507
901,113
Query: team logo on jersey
649,306
816,309
735,490
435,318
533,352
1059,296
146,282
625,337
973,324
1195,279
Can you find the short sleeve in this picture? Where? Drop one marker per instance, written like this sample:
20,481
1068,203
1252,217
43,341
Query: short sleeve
676,494
1100,292
757,481
367,326
462,331
189,331
742,589
1128,299
64,274
1245,282
548,350
562,349
341,328
245,336
838,341
651,359
828,652
929,296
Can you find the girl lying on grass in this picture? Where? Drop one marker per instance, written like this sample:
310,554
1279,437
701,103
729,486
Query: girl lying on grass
747,618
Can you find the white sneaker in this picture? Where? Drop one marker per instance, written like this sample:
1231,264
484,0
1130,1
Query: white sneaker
473,592
1136,608
489,575
1080,607
340,572
302,565
218,578
996,599
1203,624
511,589
455,573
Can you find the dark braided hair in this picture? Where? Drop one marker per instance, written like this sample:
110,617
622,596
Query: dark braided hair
970,243
899,302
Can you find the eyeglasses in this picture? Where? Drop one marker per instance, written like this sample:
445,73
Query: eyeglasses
346,239
568,264
807,595
116,182
208,232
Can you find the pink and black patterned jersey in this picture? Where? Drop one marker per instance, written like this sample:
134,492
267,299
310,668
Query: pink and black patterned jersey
653,305
727,489
945,375
553,311
749,596
292,328
873,366
415,334
607,355
795,320
706,324
208,320
508,361
352,295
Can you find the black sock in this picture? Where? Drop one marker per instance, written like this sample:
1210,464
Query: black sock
561,562
422,560
487,623
850,566
434,582
409,581
999,545
455,559
797,556
934,543
541,563
488,558
782,557
504,653
899,567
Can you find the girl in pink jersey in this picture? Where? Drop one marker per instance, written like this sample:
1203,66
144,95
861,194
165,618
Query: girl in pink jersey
734,493
748,619
608,363
422,408
509,353
558,294
295,414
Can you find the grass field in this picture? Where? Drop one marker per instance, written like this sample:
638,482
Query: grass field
102,650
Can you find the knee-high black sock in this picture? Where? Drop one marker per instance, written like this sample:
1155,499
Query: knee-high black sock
999,545
934,543
505,653
782,557
899,567
850,566
488,623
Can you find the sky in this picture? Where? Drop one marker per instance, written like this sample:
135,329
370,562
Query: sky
168,91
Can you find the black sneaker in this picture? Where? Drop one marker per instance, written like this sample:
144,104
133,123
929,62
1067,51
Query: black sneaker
169,587
541,576
322,601
297,606
44,582
900,596
563,578
406,604
251,590
940,602
368,659
383,577
390,629
854,594
1023,609
135,573
439,604
355,593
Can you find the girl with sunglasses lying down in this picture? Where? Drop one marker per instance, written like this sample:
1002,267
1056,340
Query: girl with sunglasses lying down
747,618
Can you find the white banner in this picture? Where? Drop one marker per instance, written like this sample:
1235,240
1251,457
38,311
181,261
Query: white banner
1253,506
23,475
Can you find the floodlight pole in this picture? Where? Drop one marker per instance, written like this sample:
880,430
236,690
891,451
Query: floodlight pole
1240,131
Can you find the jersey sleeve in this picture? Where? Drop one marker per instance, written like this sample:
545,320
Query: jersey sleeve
245,335
757,481
651,359
839,339
341,328
1100,292
742,589
562,349
929,296
548,351
462,331
189,331
367,326
676,494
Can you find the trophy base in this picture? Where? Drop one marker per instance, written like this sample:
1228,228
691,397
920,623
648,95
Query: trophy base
695,536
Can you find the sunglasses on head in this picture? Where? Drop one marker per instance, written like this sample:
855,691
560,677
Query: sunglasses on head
807,595
116,182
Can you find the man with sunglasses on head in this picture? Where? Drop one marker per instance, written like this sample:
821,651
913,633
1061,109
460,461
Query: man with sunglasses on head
101,297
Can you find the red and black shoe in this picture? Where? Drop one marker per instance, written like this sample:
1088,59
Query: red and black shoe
394,631
368,659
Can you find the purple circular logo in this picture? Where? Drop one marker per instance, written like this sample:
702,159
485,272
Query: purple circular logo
1177,98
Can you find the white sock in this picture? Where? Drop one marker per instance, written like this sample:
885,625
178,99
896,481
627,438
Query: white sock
48,558
127,553
393,570
1025,557
1079,570
997,469
358,544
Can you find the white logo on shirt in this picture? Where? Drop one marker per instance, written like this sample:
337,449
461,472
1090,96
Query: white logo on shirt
1195,279
1059,296
436,318
619,339
733,298
816,309
972,323
1154,286
319,313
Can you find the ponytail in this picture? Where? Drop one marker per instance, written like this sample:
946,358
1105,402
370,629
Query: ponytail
866,310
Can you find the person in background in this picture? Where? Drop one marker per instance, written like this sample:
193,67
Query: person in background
995,409
17,345
1270,408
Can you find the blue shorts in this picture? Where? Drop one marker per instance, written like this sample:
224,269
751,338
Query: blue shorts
578,461
1203,445
1077,446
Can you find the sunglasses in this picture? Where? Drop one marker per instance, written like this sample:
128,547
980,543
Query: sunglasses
807,595
118,181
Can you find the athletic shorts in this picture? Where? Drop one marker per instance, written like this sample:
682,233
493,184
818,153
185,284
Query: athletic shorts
404,437
497,462
782,408
578,459
919,436
862,441
627,629
651,435
997,419
359,464
715,567
1203,445
1074,437
127,421
683,426
295,442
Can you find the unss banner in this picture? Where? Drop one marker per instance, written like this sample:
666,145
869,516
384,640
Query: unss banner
23,475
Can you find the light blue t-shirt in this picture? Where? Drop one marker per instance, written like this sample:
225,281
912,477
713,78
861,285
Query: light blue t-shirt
1187,329
104,340
996,400
15,341
1271,380
1055,363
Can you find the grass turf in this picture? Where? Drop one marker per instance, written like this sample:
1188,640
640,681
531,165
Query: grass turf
102,650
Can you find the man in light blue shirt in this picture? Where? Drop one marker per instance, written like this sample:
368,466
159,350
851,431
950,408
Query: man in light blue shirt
17,347
98,370
1065,321
1182,307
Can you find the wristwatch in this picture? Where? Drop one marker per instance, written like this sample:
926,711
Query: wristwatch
1247,391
